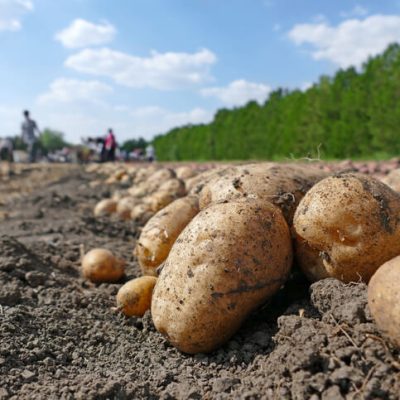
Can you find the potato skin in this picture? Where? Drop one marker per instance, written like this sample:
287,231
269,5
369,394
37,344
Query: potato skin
281,184
346,226
161,231
227,261
384,299
134,297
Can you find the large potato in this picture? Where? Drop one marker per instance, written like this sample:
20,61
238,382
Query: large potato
347,226
282,185
384,299
161,231
228,260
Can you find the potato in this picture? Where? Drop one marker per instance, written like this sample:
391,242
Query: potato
195,185
393,179
139,190
174,186
100,265
125,207
283,185
159,200
185,172
155,180
105,207
134,297
384,299
346,226
143,173
229,260
141,213
161,231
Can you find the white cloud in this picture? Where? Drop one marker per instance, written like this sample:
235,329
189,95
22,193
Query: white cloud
351,42
82,33
159,71
11,12
305,86
238,92
357,11
69,90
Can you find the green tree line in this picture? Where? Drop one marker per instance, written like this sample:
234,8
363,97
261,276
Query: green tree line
354,114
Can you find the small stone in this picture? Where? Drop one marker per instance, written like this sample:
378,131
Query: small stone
4,394
27,375
35,278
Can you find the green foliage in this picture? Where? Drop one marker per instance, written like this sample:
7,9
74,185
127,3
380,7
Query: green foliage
133,144
50,140
354,114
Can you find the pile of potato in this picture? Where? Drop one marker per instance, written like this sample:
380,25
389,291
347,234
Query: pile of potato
220,243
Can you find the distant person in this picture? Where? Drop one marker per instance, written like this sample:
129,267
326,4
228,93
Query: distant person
150,153
110,145
28,129
6,150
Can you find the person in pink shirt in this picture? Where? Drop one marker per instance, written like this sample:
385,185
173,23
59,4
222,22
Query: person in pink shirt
110,144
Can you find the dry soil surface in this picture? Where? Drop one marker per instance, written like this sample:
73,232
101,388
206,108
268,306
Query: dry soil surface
61,339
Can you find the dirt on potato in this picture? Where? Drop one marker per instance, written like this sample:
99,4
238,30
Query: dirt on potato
60,337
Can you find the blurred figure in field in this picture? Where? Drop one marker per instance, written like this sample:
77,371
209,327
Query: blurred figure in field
6,150
28,129
110,145
150,153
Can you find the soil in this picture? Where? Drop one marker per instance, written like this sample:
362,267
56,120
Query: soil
60,337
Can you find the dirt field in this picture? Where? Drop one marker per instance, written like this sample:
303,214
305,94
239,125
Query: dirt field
60,338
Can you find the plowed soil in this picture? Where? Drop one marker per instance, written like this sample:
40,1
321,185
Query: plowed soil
61,339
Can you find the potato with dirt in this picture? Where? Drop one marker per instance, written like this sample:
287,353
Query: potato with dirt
105,207
384,299
283,185
346,226
141,213
134,297
125,206
161,231
100,265
230,259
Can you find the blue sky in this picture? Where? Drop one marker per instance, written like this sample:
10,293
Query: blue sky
145,66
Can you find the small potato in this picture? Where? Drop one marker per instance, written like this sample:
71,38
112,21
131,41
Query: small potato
230,259
346,226
159,200
384,299
118,195
138,191
185,172
393,179
155,180
100,265
125,206
161,231
134,297
105,207
141,213
174,186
